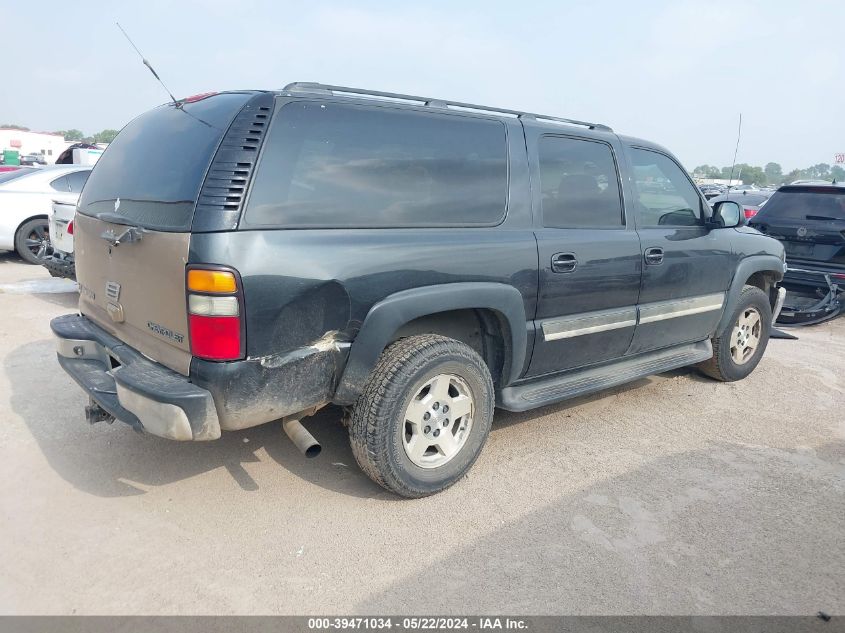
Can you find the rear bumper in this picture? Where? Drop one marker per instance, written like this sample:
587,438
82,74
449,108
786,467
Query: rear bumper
60,265
802,275
131,387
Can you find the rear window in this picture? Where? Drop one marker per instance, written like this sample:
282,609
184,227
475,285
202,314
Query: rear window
338,165
806,203
6,176
156,165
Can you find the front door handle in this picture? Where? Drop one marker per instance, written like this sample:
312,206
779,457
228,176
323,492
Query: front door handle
654,256
564,262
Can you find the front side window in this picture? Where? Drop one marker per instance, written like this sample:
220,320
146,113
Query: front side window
579,184
664,194
338,165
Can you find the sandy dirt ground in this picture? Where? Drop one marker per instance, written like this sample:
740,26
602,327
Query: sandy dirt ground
672,495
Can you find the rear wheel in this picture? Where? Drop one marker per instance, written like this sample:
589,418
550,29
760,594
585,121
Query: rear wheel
32,240
424,415
739,349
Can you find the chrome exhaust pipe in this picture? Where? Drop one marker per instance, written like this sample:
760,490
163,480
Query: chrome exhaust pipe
301,438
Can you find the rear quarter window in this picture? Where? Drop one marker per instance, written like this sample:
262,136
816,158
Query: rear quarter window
337,165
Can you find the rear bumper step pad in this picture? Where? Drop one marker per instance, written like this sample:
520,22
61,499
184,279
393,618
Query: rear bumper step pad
130,386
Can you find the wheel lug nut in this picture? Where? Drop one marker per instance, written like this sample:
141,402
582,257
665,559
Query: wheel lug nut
427,429
436,432
445,423
426,416
435,406
445,408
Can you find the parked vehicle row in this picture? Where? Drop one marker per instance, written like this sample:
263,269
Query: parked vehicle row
414,260
26,197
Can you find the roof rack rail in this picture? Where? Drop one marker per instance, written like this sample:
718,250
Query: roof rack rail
307,86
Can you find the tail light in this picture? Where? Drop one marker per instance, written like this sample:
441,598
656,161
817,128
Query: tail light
215,313
70,228
750,213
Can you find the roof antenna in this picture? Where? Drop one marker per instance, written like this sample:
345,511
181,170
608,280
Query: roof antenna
738,133
148,65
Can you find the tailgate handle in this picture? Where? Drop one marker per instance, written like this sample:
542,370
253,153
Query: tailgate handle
132,234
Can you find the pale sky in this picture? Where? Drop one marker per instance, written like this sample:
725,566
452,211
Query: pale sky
678,73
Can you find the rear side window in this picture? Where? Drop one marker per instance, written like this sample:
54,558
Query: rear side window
60,184
579,184
665,195
76,180
806,204
156,165
336,165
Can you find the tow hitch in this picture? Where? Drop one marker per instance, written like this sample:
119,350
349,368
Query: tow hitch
95,413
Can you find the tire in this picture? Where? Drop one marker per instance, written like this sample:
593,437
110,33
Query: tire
394,442
732,360
30,232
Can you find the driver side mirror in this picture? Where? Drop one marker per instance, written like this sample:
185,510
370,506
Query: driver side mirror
726,214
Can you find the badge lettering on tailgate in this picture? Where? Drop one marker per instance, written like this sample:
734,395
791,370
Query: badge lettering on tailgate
165,332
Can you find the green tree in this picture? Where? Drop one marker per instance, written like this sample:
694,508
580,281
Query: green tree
820,171
106,136
792,176
72,134
774,173
706,171
12,126
837,173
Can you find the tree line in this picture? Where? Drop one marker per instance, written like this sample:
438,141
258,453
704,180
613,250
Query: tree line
771,174
104,136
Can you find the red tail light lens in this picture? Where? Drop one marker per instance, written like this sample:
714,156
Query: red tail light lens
70,228
750,213
215,338
215,315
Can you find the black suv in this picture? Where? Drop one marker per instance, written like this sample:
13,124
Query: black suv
414,260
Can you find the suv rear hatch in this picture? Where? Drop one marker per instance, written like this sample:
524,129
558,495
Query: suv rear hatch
133,227
810,222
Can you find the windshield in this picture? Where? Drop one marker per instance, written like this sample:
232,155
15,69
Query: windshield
808,203
152,172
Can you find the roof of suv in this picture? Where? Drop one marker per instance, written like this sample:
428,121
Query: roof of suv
360,95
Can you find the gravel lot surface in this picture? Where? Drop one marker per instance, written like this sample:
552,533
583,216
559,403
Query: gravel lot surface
672,495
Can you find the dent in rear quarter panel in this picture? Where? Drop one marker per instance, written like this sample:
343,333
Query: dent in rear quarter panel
306,293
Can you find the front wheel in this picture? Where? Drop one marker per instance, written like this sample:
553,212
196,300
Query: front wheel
740,347
423,416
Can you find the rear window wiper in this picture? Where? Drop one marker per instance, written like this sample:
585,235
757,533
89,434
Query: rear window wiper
824,217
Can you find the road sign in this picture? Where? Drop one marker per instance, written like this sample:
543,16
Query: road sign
840,158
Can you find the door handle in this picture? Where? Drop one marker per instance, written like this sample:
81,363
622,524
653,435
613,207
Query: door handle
564,262
654,256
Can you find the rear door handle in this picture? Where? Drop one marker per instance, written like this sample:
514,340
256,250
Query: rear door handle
564,262
654,256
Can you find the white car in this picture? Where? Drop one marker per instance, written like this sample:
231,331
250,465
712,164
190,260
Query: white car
59,257
26,197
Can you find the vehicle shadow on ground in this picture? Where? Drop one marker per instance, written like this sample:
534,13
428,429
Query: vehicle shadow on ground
113,460
10,257
695,532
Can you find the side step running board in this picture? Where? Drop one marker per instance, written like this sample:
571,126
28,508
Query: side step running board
556,388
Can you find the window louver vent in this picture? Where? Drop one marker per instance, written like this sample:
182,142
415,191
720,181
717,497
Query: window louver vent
222,195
